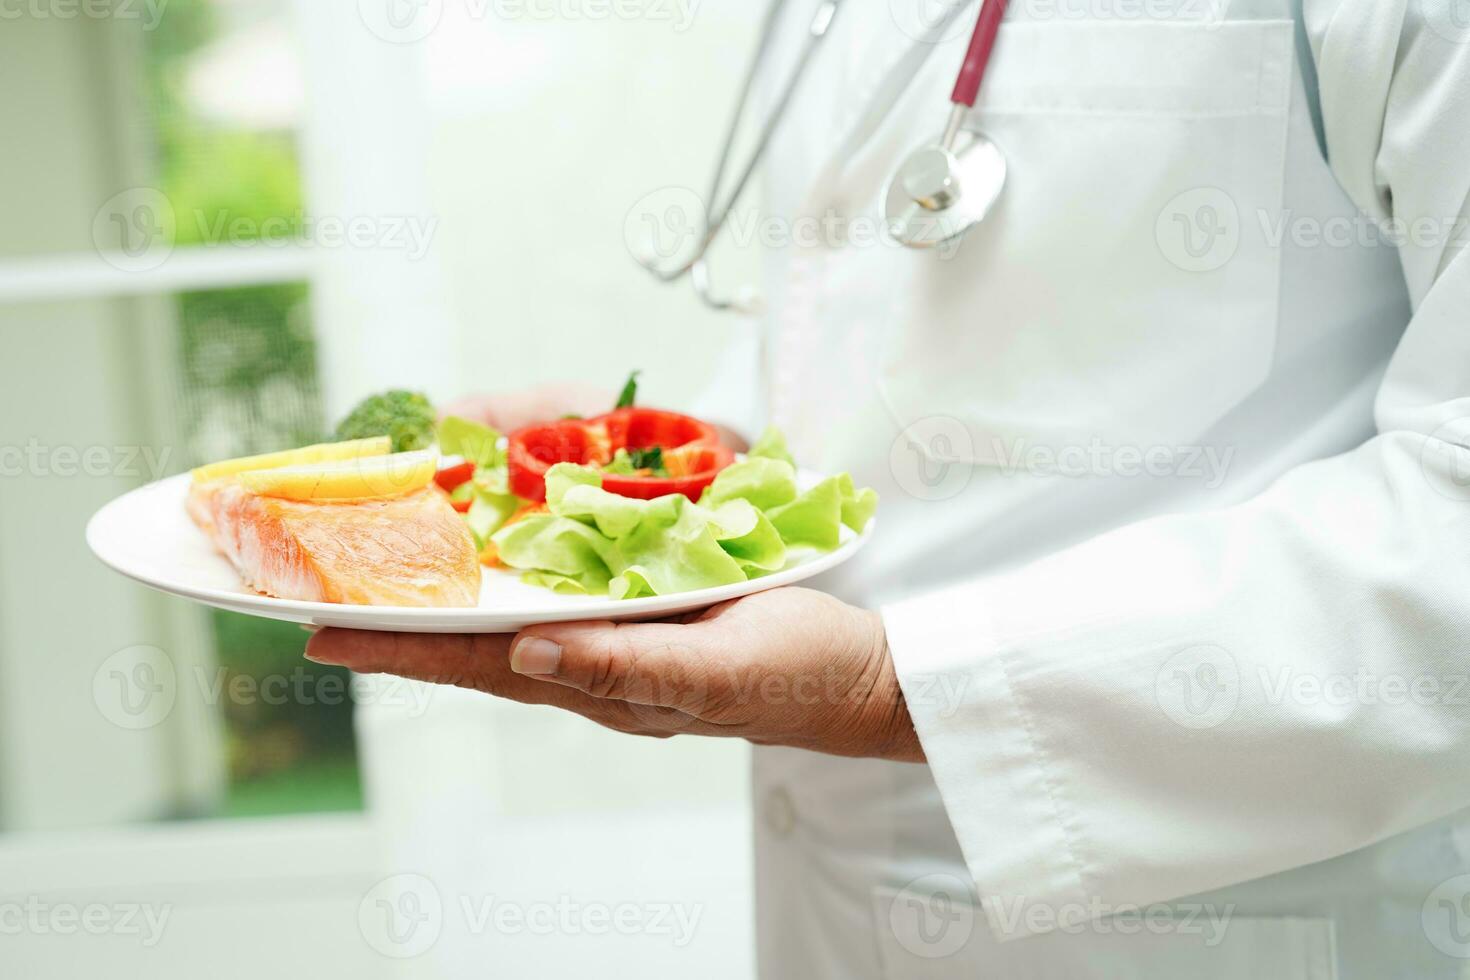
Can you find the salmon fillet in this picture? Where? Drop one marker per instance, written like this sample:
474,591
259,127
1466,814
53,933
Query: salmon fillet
402,551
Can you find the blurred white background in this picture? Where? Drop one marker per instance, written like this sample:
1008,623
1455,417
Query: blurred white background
179,795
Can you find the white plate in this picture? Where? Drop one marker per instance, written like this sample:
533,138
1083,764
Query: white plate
147,536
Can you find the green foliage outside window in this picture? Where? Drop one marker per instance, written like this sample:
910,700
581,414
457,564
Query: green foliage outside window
248,384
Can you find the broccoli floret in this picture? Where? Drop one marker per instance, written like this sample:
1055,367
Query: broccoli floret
406,416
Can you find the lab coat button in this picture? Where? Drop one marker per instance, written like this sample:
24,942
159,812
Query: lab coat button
780,812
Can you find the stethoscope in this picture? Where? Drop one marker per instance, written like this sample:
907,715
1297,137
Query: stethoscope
941,190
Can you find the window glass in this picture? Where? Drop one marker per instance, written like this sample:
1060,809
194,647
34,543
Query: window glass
225,94
247,384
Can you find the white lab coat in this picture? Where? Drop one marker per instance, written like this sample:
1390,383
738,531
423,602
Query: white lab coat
1173,544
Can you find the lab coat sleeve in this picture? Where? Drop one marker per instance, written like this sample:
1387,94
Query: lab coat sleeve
1199,700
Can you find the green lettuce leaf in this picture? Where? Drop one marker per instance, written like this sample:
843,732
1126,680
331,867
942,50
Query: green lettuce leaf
673,549
858,506
611,514
477,443
565,584
766,483
488,511
816,517
597,542
563,476
621,465
556,583
748,536
771,445
547,543
491,502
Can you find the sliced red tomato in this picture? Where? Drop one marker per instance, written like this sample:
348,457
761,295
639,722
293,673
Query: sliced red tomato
691,446
463,506
453,476
702,464
531,451
644,428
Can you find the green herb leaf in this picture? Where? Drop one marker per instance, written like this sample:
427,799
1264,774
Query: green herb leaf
630,392
649,459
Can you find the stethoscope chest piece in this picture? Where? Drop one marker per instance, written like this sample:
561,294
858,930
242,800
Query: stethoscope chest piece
944,189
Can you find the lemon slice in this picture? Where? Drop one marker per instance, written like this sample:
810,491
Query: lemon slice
367,478
326,452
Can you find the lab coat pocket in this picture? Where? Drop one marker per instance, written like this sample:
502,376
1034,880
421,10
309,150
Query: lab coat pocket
1123,291
927,932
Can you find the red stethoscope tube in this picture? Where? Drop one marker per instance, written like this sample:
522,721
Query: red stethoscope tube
977,58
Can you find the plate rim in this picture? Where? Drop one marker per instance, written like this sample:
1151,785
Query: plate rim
401,618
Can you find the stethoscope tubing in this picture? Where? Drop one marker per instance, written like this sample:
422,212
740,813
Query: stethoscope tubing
966,90
718,212
977,55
